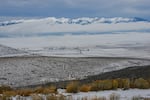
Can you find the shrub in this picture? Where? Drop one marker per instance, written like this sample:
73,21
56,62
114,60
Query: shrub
72,87
45,90
132,84
25,92
52,89
38,90
105,85
126,83
101,85
10,93
141,83
148,81
84,88
94,86
120,83
114,84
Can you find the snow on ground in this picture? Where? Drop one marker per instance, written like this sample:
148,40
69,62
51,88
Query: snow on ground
126,44
124,94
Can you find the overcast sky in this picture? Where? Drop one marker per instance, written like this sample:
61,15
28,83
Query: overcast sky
76,8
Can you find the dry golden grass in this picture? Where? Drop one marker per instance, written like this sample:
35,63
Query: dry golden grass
126,83
10,93
52,89
5,88
115,84
106,85
38,90
94,86
25,92
141,83
101,85
72,87
45,90
85,88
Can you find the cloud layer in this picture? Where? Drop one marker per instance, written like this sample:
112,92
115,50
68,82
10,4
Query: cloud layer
75,8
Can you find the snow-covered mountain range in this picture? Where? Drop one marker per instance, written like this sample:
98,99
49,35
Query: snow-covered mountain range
62,26
81,21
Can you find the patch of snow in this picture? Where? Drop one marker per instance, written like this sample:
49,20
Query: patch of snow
124,94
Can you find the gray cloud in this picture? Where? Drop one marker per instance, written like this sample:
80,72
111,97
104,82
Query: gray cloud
75,8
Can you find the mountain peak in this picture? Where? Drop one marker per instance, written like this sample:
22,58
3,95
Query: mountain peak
81,21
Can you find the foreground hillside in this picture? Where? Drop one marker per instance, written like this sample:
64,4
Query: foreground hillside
24,71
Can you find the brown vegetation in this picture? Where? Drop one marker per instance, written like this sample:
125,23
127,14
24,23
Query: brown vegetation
72,87
85,88
141,83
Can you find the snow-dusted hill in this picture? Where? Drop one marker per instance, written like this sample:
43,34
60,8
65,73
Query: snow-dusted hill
8,51
24,71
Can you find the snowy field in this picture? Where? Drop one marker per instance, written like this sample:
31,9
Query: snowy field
133,44
123,94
